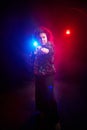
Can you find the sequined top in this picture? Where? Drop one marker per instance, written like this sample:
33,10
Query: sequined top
44,63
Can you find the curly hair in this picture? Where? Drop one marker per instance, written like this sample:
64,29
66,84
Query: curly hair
45,30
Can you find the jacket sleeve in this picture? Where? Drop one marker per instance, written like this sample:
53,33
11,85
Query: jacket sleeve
51,49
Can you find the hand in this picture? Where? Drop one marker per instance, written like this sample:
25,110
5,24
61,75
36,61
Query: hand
39,47
45,50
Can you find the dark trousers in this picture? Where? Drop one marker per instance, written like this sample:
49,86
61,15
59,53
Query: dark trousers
45,101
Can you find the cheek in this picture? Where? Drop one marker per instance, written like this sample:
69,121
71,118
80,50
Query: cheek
46,39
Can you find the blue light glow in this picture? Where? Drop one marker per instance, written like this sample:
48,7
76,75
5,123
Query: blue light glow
50,87
35,43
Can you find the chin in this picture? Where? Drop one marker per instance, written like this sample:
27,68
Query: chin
43,43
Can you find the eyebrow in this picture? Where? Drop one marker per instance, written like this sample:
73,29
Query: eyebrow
42,36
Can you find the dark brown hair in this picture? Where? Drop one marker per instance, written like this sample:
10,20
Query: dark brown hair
45,30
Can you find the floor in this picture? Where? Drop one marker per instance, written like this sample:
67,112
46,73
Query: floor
17,109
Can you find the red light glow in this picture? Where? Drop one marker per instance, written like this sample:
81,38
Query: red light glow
68,32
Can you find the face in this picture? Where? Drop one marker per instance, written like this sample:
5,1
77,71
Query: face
43,38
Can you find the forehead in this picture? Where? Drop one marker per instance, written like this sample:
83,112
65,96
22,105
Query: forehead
43,35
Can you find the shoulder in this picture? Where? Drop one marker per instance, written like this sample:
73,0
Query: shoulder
50,44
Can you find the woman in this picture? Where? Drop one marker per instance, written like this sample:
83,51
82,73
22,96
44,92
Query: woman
44,71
